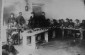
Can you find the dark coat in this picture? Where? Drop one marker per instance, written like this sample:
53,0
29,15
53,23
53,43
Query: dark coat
82,25
71,24
20,20
66,24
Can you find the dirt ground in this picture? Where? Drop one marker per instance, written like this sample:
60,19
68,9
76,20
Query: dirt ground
56,47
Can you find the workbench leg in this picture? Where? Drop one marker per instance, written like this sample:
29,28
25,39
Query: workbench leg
81,35
24,41
46,36
54,35
33,41
62,33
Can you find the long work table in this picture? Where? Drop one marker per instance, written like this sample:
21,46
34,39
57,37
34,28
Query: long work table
34,32
33,35
80,30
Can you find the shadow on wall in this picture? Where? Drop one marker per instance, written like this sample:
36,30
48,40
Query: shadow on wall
7,11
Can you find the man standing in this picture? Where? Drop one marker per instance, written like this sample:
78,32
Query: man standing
71,23
20,19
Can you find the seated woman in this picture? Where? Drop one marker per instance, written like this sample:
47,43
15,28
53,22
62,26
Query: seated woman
11,20
9,49
66,25
82,25
77,26
71,25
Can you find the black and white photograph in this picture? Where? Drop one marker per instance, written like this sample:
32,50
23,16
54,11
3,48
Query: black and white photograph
0,26
42,27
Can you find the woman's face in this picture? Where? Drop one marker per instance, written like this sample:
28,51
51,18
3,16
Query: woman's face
12,16
77,21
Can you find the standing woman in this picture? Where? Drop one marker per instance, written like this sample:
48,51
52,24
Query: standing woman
11,20
77,24
77,32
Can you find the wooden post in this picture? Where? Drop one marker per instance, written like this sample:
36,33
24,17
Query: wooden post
46,36
33,41
24,40
81,31
39,37
4,34
62,33
54,35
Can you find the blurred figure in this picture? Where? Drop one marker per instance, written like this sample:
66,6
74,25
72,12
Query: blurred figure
82,25
67,32
20,19
48,22
61,23
67,22
11,20
55,22
9,49
71,23
42,20
77,24
77,32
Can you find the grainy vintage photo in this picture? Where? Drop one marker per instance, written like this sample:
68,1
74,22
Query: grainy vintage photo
43,27
0,26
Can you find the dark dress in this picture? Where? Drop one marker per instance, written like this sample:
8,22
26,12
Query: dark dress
66,24
71,24
82,25
11,20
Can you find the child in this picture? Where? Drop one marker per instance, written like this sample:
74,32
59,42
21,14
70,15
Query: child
9,49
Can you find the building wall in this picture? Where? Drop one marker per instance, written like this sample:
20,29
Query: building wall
0,26
62,9
54,9
16,6
0,17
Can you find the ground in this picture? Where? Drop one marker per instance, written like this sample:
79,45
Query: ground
56,47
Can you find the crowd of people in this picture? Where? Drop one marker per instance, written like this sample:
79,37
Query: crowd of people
19,21
40,21
37,22
69,23
8,48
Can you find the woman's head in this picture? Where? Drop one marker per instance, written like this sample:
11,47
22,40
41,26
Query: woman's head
70,20
77,20
83,21
67,19
12,15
